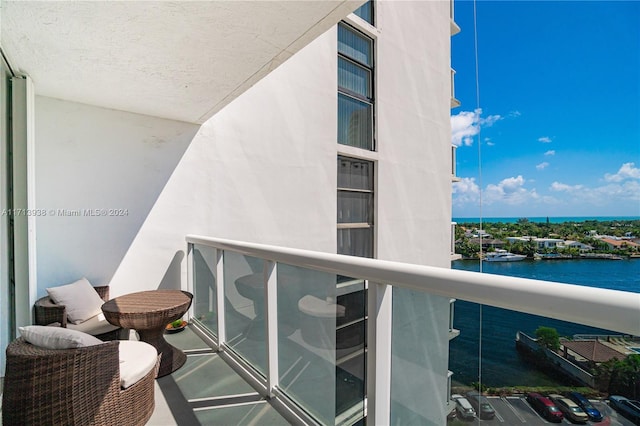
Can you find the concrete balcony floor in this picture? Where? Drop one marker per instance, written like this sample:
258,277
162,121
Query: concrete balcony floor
206,391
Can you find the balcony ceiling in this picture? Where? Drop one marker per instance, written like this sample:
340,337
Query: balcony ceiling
179,60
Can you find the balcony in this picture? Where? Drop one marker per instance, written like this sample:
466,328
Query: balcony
454,177
454,102
455,29
454,255
312,332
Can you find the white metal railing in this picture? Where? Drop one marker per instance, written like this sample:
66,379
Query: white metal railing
602,308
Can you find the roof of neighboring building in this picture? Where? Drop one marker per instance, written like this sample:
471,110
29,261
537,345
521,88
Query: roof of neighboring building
619,243
592,350
576,243
486,241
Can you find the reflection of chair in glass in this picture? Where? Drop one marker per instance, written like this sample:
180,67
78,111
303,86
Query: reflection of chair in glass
318,320
252,287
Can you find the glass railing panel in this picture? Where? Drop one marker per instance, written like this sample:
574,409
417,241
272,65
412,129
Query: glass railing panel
321,343
351,331
419,348
322,322
508,353
245,308
490,347
204,287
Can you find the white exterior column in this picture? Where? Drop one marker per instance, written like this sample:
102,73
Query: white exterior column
378,374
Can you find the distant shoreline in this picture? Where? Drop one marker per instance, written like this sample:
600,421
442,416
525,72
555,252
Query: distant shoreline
543,219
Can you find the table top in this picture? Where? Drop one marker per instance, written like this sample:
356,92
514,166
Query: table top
147,308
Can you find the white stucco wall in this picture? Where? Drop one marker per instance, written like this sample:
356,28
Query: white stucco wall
414,194
90,158
414,184
263,170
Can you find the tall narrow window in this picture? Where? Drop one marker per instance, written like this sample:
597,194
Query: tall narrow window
355,207
366,11
355,88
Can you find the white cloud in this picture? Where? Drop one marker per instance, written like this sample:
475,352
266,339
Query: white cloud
550,152
464,127
466,124
626,171
510,191
542,165
544,139
514,114
626,193
465,191
563,187
490,120
515,196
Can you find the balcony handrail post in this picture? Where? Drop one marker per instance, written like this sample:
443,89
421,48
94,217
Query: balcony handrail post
222,335
378,375
271,324
190,287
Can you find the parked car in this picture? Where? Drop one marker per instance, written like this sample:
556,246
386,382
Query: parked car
463,407
570,409
545,407
484,410
627,407
593,413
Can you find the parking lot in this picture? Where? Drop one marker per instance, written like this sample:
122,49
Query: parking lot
515,410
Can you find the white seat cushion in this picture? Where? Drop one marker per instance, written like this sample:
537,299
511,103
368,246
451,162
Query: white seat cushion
94,325
136,360
57,337
79,298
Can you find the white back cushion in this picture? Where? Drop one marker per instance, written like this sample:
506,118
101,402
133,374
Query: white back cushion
80,299
57,337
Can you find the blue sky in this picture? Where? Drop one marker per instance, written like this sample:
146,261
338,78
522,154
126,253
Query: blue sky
559,128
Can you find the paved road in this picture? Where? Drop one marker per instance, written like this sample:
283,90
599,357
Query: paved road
516,411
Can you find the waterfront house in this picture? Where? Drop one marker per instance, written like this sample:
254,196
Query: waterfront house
477,233
581,247
620,244
547,243
488,243
589,352
186,145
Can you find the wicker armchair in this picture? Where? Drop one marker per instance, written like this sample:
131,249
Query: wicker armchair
78,386
47,312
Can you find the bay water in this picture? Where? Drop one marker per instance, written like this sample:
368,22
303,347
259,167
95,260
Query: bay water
501,364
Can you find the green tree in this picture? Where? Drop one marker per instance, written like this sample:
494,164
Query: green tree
466,248
625,377
548,337
620,377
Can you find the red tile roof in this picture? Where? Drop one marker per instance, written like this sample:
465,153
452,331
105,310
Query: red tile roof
592,350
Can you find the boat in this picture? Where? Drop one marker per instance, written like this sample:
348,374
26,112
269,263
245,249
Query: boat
500,255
